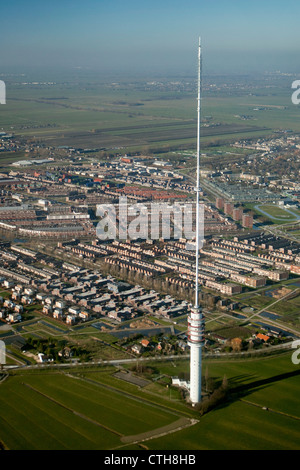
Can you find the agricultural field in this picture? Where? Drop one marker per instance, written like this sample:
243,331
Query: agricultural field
91,408
264,416
88,112
69,412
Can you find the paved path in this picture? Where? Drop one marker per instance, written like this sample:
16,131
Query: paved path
159,432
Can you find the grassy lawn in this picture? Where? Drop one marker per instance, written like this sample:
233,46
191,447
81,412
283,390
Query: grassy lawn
276,212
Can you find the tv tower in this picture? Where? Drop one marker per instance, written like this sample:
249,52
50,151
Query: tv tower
196,318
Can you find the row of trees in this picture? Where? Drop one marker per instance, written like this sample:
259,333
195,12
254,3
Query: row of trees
214,391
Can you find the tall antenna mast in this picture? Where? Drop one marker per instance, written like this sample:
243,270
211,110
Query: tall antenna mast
196,319
197,189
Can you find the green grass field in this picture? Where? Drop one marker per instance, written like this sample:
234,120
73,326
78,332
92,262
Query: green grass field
277,214
241,426
54,411
94,410
244,424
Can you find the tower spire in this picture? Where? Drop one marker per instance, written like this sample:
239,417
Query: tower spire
197,189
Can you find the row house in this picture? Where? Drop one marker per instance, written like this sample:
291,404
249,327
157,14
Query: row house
130,293
174,311
121,315
275,275
145,299
151,271
250,281
182,281
295,269
224,288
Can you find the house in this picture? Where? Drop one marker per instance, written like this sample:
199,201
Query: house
28,291
47,309
15,295
43,358
98,309
220,339
18,288
70,319
120,315
84,316
180,383
14,317
40,297
60,304
115,315
19,308
66,353
58,314
145,343
26,300
182,345
49,300
110,306
9,304
263,338
137,348
74,311
8,284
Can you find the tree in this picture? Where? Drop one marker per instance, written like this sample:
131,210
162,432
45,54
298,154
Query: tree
236,344
206,379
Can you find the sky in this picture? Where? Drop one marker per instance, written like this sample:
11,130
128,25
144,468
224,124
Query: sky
157,36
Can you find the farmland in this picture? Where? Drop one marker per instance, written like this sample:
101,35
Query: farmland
135,116
94,408
93,415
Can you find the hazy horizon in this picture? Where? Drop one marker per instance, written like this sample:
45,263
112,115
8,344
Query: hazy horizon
150,37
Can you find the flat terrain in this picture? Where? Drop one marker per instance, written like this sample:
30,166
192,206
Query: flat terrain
245,423
93,409
277,214
138,116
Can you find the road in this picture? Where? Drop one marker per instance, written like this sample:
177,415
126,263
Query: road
117,362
